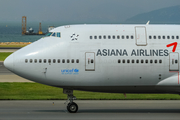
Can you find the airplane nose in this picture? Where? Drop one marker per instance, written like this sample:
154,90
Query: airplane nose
9,62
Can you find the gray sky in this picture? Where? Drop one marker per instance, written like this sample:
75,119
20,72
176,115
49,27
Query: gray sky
78,11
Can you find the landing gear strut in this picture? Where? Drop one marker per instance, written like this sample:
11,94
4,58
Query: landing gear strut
72,107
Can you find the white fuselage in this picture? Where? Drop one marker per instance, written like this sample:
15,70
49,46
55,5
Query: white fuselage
103,58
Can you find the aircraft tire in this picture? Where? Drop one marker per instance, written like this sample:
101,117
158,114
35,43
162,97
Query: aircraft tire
72,107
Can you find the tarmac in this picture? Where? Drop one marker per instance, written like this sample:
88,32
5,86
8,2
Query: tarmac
7,49
88,110
8,76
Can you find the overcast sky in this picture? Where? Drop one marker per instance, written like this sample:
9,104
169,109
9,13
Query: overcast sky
78,11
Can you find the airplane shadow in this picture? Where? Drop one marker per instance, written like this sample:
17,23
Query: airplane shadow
130,111
117,111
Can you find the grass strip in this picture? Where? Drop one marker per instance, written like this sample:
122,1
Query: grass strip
3,46
4,55
36,91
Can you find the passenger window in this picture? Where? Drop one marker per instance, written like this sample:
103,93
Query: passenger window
99,37
54,60
137,61
67,60
122,37
31,60
109,37
44,60
154,37
168,37
176,61
164,37
124,61
127,37
63,61
72,61
40,60
59,60
159,37
160,61
151,61
114,37
35,61
142,61
128,61
155,61
92,61
150,37
49,61
77,61
95,37
119,61
146,61
132,61
58,35
118,37
172,37
26,60
132,37
177,37
90,37
104,37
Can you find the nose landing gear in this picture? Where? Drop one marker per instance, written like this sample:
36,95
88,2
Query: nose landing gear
72,107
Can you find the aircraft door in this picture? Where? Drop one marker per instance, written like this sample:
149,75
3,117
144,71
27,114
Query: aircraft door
141,37
174,61
90,61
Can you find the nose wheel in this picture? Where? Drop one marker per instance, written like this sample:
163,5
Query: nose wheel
72,107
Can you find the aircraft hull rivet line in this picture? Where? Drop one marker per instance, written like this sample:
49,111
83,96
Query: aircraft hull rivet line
72,107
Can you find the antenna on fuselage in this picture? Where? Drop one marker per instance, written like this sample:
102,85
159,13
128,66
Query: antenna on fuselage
148,23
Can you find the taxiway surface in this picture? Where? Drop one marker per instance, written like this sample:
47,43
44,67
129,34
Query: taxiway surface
98,110
8,76
7,49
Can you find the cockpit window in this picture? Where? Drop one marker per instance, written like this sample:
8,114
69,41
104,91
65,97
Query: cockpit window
54,34
58,35
49,34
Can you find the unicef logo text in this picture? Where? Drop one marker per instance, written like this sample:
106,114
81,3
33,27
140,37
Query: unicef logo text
70,71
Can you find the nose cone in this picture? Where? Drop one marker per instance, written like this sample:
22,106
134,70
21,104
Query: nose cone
9,62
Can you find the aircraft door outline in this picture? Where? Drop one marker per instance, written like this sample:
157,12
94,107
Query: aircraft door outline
174,61
141,36
89,61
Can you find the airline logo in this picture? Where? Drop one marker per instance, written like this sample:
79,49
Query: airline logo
70,71
137,52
